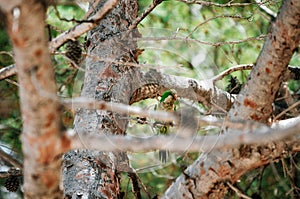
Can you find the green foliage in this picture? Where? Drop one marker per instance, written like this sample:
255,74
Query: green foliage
188,40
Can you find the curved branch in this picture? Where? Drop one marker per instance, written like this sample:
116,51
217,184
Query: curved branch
254,102
154,83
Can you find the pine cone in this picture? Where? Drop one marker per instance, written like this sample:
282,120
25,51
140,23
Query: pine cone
73,51
12,183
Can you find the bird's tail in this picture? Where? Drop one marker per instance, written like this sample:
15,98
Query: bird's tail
162,155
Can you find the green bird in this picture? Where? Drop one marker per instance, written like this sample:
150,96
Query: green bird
167,102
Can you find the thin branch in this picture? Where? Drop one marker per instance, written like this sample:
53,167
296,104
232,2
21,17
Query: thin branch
287,110
217,17
268,11
11,172
144,14
237,191
10,159
216,44
79,29
8,71
229,4
177,143
119,108
232,69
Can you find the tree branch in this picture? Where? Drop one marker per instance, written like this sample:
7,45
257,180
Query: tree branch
247,133
229,4
79,29
10,159
259,91
254,102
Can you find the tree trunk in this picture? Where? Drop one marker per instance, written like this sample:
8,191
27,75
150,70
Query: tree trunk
41,136
94,174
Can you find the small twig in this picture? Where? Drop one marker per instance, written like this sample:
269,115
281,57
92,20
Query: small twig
287,110
231,70
79,29
229,4
278,178
69,20
144,14
136,190
11,172
12,82
216,17
237,191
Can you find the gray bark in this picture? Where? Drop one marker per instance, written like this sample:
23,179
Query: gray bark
94,174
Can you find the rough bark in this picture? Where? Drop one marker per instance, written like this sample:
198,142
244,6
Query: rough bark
206,177
94,174
255,100
41,138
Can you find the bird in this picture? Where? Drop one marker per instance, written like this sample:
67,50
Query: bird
168,102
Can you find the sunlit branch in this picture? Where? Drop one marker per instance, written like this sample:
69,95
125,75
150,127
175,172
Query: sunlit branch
79,29
229,4
10,159
8,71
216,44
119,108
232,69
266,9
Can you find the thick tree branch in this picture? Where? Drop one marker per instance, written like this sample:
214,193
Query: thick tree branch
206,176
256,98
154,83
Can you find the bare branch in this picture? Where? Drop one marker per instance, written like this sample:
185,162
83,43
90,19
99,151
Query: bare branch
266,9
8,71
79,29
232,69
144,14
216,44
237,191
229,4
287,110
217,17
119,108
176,142
10,159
